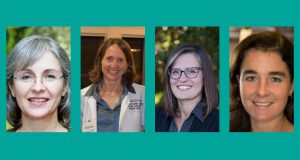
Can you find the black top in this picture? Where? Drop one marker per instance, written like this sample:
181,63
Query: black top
197,113
209,124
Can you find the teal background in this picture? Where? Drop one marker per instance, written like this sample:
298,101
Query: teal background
149,145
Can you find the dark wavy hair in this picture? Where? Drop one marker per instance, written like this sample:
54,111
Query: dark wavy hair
25,53
96,75
210,90
267,42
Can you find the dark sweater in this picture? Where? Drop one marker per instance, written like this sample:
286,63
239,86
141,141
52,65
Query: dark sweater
210,123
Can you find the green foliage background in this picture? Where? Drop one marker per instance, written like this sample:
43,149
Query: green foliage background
60,34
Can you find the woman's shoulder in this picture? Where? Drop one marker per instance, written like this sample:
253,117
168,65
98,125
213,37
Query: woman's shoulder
160,113
162,120
84,90
210,124
87,90
214,113
213,119
213,116
135,85
136,89
159,110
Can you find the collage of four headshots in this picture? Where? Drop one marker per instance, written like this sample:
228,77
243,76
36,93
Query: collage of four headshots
187,98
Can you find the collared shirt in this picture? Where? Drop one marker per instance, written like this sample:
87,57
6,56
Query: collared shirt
198,112
107,118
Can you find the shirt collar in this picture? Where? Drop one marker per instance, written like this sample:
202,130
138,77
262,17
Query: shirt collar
200,110
91,90
94,88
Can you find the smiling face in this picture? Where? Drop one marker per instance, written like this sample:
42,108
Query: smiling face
39,98
265,85
186,88
114,64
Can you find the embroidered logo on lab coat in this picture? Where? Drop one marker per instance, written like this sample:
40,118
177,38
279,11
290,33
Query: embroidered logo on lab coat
135,104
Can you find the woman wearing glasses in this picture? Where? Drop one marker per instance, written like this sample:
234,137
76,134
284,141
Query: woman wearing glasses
38,86
190,93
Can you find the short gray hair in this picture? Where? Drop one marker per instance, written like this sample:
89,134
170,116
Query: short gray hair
25,53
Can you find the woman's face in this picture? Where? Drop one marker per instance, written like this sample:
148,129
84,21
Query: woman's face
185,88
265,85
38,88
114,64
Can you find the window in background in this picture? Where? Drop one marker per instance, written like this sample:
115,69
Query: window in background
89,48
137,49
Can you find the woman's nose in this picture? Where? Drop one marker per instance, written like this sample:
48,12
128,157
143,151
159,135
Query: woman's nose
114,63
263,88
183,77
38,85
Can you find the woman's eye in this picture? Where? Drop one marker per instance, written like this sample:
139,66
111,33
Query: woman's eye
120,60
192,71
109,58
250,78
276,79
26,77
175,72
50,76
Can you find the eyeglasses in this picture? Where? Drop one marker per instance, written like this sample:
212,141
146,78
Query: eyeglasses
192,72
29,77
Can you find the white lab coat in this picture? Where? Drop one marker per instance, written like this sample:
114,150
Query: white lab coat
131,114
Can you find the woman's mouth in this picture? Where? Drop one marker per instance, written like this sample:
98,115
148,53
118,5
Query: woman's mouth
113,71
184,87
262,104
37,101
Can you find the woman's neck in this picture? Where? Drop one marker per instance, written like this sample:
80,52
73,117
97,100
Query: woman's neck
187,106
111,88
48,124
280,124
185,109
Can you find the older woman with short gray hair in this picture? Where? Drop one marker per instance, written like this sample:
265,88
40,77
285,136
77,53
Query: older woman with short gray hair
38,86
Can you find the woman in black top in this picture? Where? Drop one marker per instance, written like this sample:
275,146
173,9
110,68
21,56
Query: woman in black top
190,93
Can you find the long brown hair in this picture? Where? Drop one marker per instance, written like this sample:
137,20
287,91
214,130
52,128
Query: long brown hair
264,41
128,77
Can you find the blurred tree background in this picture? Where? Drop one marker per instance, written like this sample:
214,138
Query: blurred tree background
60,34
168,38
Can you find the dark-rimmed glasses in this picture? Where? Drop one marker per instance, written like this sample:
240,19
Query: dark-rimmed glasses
191,72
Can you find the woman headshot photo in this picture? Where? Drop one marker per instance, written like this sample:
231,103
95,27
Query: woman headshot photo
38,86
190,92
262,84
113,102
